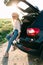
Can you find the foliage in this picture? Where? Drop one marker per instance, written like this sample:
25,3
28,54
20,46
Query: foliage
5,28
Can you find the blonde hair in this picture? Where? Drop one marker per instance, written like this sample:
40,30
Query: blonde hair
14,14
17,15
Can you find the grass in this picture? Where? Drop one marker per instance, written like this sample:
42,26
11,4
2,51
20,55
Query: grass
5,28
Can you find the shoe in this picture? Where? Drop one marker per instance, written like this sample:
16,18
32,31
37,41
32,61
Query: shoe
6,55
14,47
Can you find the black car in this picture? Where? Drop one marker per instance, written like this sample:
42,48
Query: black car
31,38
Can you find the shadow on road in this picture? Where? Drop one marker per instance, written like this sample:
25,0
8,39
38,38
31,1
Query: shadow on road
31,60
5,61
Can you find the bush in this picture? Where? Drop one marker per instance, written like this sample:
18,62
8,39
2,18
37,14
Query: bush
5,28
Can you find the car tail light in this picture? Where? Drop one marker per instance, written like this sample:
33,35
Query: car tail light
33,31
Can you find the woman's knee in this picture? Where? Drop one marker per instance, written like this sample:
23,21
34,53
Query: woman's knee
8,37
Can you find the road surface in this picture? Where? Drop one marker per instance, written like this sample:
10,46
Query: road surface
16,57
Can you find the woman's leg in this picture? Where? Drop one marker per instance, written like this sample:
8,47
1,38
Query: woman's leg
12,39
8,37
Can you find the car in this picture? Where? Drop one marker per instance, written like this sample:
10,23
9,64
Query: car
31,39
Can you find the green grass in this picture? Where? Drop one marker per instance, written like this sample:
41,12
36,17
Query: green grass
5,28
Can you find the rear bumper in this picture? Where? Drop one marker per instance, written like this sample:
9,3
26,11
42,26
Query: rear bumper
28,50
30,44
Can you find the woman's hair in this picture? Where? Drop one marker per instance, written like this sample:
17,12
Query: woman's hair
17,15
14,14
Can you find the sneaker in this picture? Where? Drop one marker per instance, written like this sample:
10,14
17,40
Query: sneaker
14,48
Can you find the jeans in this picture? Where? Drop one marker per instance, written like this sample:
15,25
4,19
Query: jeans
11,39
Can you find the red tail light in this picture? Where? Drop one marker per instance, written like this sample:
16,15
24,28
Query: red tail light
32,31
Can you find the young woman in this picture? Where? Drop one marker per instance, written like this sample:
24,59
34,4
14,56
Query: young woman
16,32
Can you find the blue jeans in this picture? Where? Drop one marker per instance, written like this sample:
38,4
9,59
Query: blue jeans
11,39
